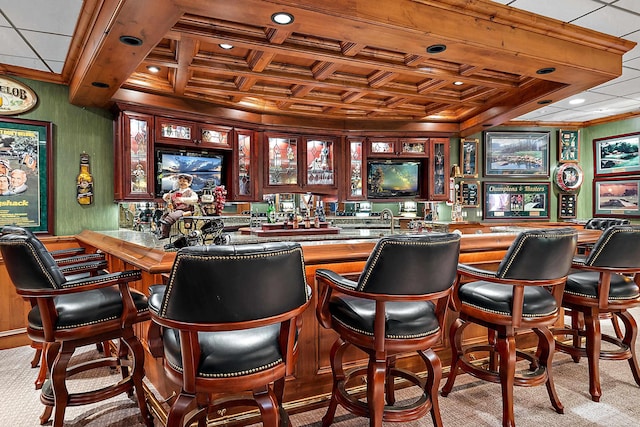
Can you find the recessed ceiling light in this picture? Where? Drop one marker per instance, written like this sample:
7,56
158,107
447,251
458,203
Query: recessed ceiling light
153,68
576,101
547,70
101,85
436,48
282,18
458,83
131,40
226,46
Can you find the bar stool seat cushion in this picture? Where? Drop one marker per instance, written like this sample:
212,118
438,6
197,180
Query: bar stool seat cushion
403,319
585,284
229,353
88,308
498,298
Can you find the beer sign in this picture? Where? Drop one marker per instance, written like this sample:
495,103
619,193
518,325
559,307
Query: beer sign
15,97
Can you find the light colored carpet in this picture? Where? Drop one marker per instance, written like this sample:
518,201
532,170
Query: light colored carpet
471,403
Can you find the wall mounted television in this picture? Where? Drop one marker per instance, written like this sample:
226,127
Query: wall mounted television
393,179
206,168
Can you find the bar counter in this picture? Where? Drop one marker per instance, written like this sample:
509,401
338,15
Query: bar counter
310,387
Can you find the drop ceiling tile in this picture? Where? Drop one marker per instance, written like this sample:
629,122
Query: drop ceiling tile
610,20
620,89
588,96
13,45
49,46
632,5
19,61
50,16
570,9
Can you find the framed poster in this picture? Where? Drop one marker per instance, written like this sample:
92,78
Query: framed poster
516,154
26,169
469,158
617,155
469,194
516,200
616,198
568,146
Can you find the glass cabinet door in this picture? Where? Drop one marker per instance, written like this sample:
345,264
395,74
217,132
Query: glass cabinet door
320,162
244,183
439,179
282,157
134,168
356,169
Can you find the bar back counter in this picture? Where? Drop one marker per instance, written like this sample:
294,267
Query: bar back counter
310,386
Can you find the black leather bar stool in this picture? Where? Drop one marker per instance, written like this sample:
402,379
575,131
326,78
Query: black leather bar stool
398,305
73,263
604,282
524,293
72,313
227,323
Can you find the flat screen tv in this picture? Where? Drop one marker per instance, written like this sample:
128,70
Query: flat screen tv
393,178
205,168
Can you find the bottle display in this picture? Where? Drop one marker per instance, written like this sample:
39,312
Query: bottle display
271,212
84,182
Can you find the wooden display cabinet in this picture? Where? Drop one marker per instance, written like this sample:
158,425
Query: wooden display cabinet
245,166
438,178
133,157
319,165
296,164
398,147
185,133
355,168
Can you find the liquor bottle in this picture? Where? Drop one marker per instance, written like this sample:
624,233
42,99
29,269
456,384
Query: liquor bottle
84,182
271,213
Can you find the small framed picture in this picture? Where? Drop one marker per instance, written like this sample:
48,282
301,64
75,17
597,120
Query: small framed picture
469,194
567,205
469,158
617,155
568,146
616,197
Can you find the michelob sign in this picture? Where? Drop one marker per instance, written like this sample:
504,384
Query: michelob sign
15,97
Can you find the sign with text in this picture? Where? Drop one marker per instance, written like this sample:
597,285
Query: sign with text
516,200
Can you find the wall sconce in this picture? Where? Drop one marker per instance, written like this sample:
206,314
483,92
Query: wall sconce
455,171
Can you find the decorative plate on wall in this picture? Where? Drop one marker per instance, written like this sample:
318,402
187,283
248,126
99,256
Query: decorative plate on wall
569,177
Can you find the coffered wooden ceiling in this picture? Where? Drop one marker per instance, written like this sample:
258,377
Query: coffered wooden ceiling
346,64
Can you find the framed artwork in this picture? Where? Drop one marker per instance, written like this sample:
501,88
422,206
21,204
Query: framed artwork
567,203
568,146
26,170
516,154
516,200
469,194
617,155
616,197
469,158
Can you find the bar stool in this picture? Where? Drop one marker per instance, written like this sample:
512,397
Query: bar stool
227,323
524,293
73,313
603,283
398,305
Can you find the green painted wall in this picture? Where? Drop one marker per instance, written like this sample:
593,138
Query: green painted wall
587,136
77,129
